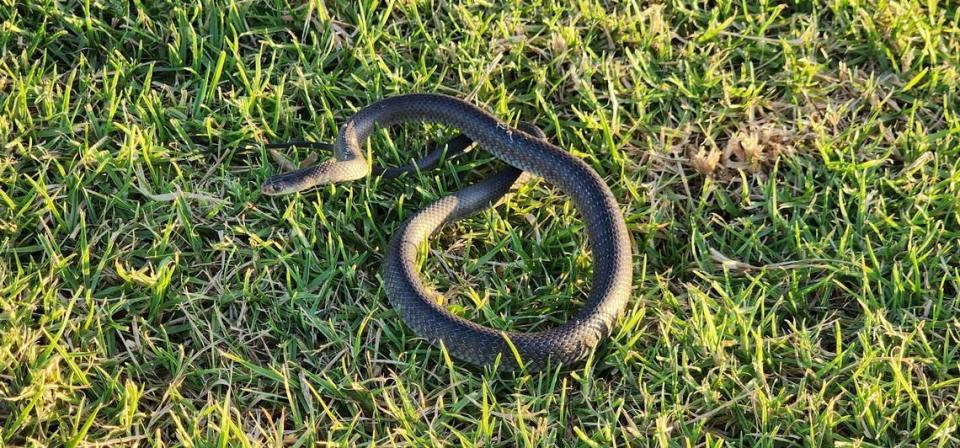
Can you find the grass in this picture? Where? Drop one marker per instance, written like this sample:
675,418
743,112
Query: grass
790,176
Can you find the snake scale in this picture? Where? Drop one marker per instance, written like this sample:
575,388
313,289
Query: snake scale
524,150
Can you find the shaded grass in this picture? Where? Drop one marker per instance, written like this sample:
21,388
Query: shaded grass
789,175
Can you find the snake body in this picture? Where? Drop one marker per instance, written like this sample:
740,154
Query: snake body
524,151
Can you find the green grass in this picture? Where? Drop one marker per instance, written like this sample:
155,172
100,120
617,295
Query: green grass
790,176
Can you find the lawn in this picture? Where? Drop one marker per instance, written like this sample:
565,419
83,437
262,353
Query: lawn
789,175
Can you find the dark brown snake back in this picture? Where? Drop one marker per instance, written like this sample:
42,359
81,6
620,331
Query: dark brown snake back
606,231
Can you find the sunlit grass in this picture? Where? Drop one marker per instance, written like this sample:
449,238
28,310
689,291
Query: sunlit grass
789,176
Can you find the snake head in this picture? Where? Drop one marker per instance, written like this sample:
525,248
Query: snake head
270,189
329,172
280,184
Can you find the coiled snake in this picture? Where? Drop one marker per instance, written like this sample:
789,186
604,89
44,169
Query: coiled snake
525,152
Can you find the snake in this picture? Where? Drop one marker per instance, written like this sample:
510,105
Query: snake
524,149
